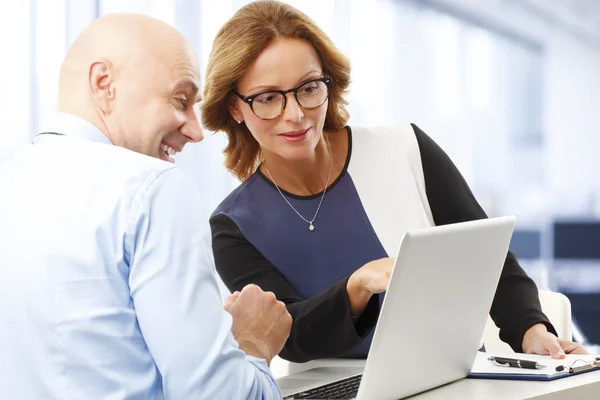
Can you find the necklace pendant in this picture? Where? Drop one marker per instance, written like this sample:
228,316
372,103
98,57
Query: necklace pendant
311,227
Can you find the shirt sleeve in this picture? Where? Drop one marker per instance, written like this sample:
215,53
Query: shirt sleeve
322,326
175,294
516,305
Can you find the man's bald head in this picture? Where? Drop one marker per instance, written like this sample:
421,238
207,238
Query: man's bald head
123,40
122,63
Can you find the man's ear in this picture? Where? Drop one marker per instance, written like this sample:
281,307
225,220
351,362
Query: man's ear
101,80
234,111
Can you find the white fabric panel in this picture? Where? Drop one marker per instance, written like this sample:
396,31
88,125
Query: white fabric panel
386,168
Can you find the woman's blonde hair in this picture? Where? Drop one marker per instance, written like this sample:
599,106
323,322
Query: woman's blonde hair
238,43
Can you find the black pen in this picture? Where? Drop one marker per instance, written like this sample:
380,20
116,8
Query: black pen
513,362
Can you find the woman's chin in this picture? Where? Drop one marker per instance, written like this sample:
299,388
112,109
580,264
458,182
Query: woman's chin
297,154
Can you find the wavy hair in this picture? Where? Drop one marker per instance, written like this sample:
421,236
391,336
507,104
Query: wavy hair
237,44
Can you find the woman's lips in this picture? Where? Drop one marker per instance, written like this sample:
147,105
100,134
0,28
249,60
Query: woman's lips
297,136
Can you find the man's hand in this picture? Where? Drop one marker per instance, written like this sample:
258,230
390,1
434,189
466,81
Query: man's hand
537,340
261,324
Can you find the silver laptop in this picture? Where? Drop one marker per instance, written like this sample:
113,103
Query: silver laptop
432,318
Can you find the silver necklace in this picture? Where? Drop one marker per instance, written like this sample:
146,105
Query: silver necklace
311,226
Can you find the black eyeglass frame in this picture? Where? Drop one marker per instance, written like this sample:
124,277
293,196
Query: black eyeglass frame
250,99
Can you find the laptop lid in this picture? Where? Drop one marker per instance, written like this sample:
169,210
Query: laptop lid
435,310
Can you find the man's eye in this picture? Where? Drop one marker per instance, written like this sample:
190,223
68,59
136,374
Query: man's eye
183,102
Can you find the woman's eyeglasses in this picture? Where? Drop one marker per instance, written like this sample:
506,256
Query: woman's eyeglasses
271,103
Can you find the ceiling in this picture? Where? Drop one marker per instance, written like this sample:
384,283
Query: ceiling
580,18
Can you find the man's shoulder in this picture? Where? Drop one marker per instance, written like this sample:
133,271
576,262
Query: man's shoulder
116,171
96,157
137,175
125,164
135,162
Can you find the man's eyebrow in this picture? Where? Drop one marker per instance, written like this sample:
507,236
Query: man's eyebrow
189,86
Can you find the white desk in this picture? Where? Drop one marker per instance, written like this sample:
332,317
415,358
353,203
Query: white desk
579,387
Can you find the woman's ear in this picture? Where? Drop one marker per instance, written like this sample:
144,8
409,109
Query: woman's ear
235,112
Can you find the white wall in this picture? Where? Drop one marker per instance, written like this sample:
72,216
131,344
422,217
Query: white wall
15,67
572,120
570,109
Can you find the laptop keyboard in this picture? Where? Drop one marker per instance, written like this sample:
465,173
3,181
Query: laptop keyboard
344,389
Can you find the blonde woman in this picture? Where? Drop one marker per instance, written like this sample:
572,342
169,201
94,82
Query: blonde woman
322,206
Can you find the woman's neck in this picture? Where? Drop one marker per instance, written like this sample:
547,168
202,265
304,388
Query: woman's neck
301,177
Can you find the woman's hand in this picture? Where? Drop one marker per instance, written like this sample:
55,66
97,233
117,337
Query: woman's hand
537,340
372,278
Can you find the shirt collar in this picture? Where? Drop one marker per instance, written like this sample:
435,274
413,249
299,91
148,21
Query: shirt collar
71,125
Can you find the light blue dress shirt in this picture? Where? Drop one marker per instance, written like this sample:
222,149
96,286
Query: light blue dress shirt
107,282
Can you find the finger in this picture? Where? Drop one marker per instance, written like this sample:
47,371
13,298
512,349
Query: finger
282,309
385,266
227,304
551,344
251,292
376,287
271,296
579,350
567,345
234,295
383,282
230,300
252,288
572,347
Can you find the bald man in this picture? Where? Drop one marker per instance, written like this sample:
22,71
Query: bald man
107,287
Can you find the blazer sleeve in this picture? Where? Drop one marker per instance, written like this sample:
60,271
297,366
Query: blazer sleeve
516,305
322,326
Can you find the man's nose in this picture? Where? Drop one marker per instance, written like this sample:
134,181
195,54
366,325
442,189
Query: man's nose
192,129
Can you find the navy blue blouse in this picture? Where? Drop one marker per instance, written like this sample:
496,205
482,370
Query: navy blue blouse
394,180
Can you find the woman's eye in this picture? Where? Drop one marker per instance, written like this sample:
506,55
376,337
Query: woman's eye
265,99
183,102
310,88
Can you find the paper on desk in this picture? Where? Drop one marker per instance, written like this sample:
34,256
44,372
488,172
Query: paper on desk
483,366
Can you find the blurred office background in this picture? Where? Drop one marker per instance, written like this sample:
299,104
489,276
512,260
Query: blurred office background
509,88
